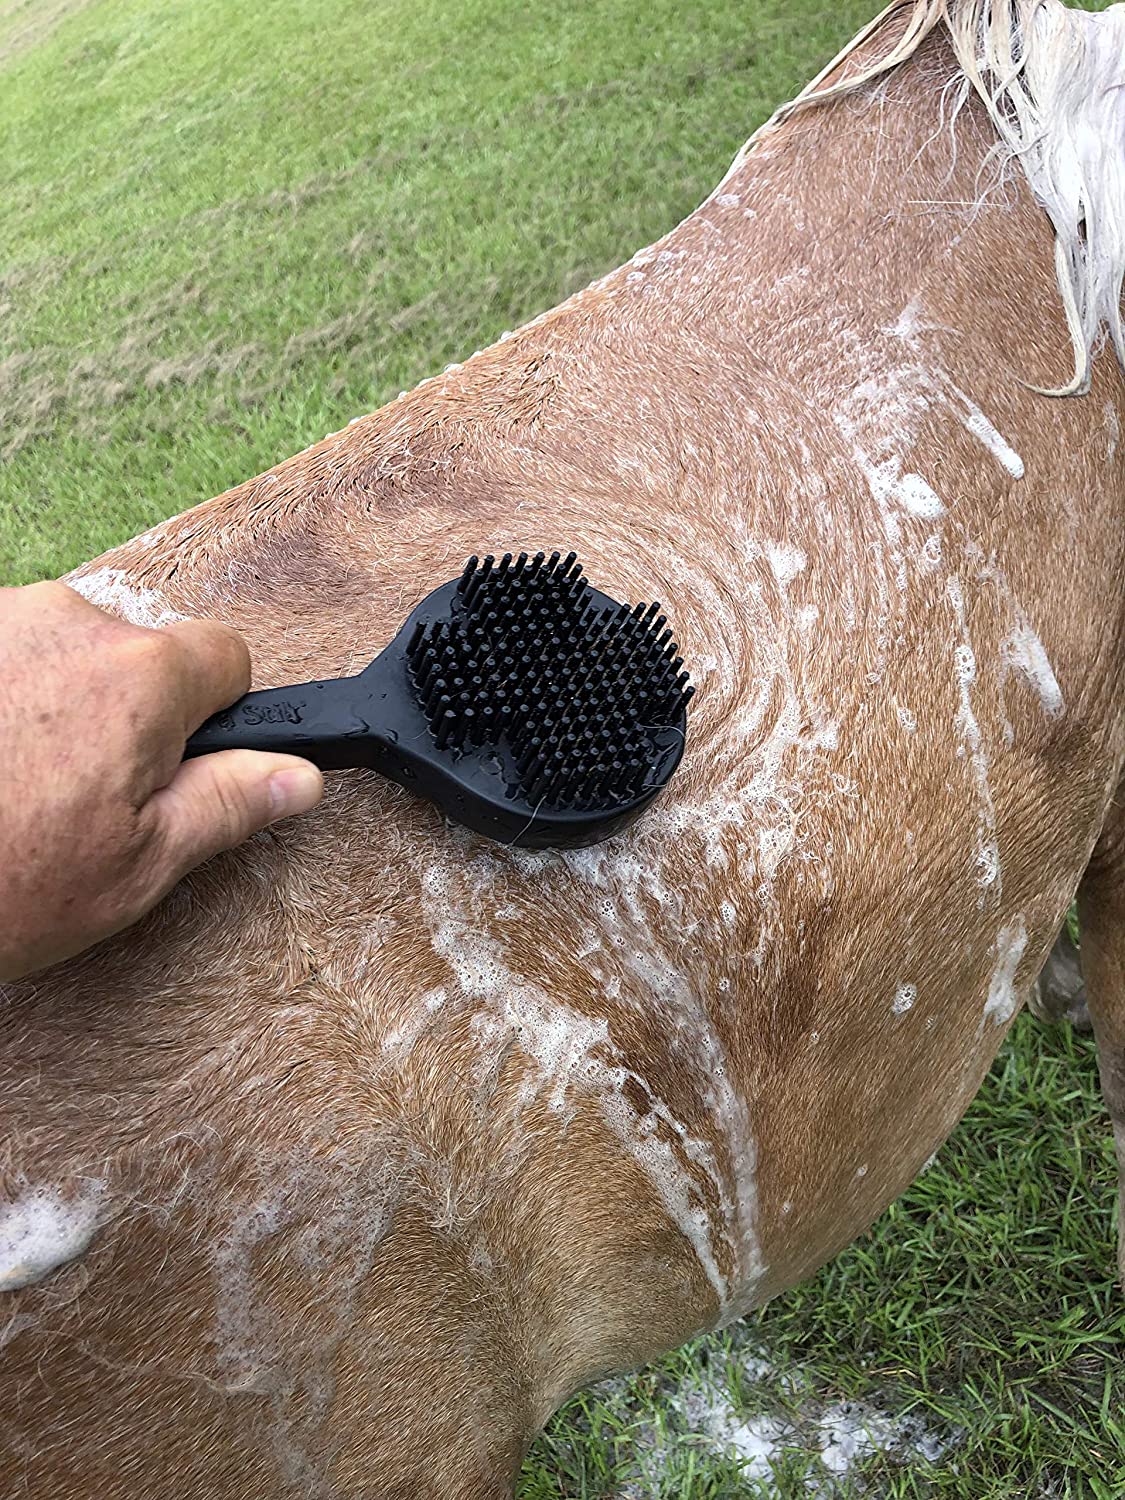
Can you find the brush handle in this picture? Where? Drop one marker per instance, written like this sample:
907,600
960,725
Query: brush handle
322,721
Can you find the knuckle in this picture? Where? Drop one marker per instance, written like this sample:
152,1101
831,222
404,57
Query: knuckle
152,656
225,649
127,843
215,654
50,592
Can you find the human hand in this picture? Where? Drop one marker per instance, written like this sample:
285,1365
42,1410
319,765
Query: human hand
99,814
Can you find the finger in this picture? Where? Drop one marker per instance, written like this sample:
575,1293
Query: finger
215,668
216,801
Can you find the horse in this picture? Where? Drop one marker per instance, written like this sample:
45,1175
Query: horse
337,1174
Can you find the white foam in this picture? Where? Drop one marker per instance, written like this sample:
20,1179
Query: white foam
853,1430
110,589
987,859
758,1441
699,1410
930,554
1024,651
1003,1001
1002,451
399,1040
42,1230
908,325
905,996
572,1054
785,561
916,496
1051,79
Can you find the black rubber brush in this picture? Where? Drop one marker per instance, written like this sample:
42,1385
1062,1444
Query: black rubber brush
526,704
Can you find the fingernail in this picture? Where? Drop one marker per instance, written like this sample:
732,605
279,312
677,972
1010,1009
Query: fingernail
295,791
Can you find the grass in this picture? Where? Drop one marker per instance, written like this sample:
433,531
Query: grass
977,1321
257,221
227,230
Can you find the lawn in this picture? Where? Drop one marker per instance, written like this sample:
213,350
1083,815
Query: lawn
226,230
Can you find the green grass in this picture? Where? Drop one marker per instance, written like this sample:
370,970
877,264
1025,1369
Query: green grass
980,1311
228,229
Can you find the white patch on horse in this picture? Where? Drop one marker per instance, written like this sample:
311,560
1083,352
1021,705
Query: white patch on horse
905,996
42,1230
916,496
1113,431
1002,1000
1023,652
110,589
987,856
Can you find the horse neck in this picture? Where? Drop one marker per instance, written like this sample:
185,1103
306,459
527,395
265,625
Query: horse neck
842,215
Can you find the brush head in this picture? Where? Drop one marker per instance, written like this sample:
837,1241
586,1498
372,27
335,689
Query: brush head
526,704
581,692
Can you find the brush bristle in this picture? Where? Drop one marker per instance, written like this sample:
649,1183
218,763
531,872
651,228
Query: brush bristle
577,691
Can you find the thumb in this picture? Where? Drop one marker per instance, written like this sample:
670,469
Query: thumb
216,801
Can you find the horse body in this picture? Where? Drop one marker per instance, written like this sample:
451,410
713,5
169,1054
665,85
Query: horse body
375,1140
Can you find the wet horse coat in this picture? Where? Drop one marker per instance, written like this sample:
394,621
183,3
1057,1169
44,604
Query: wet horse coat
336,1175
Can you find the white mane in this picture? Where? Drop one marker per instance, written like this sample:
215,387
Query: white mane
1053,82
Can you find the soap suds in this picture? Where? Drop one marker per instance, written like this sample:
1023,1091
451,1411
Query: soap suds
1023,651
399,1040
573,1056
905,997
1003,1000
916,496
982,429
978,426
42,1230
111,590
987,853
785,561
316,1218
795,1423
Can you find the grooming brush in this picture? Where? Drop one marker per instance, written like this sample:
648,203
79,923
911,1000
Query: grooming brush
526,704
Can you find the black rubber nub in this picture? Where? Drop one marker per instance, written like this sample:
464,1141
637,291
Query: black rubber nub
578,690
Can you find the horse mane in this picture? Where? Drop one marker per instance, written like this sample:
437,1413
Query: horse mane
1053,83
